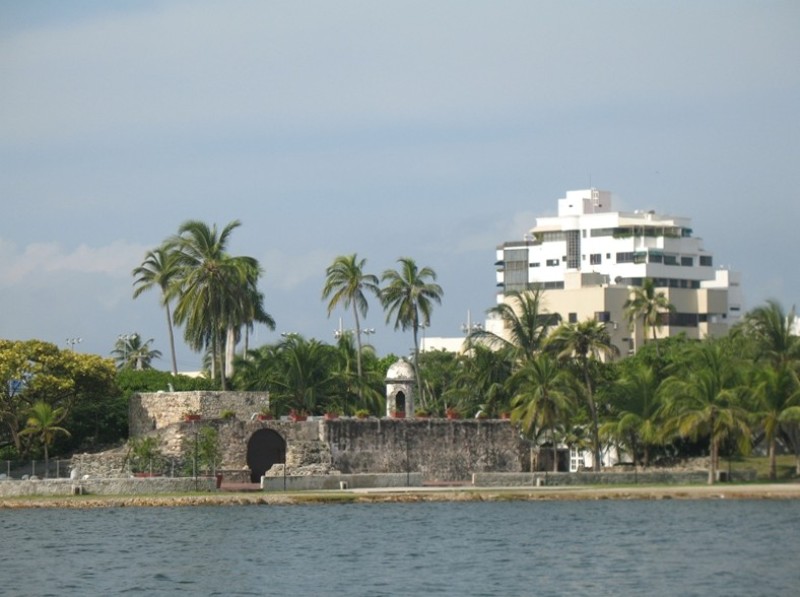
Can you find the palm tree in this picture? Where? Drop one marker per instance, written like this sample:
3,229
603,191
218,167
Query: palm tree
211,283
305,373
586,343
647,305
778,347
247,309
542,400
345,284
159,268
707,401
777,391
131,353
408,297
525,323
636,423
43,422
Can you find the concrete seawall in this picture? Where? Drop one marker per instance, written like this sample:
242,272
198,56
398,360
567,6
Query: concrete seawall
358,481
114,486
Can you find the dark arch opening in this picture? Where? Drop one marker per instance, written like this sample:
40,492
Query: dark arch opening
264,448
400,402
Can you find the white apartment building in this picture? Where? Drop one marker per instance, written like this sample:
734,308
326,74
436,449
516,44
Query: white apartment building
589,257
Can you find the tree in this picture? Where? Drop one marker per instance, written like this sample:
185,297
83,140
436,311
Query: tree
131,353
777,394
585,342
774,332
647,305
345,284
210,290
543,399
636,423
159,268
33,371
43,423
777,351
525,323
408,297
707,401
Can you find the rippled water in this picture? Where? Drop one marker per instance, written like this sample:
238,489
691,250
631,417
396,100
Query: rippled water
474,548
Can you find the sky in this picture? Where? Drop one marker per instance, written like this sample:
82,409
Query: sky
432,130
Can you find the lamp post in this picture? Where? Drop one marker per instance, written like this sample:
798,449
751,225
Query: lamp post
125,339
71,342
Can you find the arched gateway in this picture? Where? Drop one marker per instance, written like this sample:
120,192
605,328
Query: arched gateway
264,448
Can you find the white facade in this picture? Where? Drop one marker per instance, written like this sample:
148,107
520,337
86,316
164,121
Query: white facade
588,257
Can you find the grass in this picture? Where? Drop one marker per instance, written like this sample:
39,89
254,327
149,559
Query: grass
785,466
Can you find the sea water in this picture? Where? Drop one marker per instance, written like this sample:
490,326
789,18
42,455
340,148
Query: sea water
665,547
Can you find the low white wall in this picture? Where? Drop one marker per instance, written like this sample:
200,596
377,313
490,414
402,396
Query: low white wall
358,481
119,486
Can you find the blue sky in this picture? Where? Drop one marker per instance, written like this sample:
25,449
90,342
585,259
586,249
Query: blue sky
435,130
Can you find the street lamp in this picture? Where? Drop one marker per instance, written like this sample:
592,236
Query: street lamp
125,339
71,342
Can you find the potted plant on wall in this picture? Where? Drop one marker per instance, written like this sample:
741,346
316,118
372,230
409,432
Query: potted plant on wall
191,415
398,414
362,413
331,414
264,414
422,413
297,415
452,413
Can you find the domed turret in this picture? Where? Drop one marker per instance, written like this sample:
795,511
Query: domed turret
400,383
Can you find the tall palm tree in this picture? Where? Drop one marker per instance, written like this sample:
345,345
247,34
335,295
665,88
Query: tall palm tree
707,402
211,283
247,309
345,284
647,305
542,400
525,323
43,422
159,268
408,297
586,343
131,353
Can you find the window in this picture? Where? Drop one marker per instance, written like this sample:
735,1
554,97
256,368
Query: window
626,257
670,260
595,259
552,262
687,261
602,316
705,260
573,318
655,257
535,264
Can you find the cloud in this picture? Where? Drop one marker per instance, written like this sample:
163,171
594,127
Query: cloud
40,261
287,271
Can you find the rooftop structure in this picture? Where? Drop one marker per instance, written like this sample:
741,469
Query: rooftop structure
589,256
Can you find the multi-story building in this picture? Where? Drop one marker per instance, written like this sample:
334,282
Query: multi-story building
589,257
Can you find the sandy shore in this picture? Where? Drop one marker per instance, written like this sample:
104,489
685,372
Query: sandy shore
425,494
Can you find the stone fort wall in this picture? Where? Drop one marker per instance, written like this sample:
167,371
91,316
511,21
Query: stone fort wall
150,411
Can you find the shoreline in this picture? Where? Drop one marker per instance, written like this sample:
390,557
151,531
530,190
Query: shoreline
772,491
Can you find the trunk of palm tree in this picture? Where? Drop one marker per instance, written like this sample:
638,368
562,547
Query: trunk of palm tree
46,461
773,473
171,341
712,465
358,351
416,366
555,449
230,346
593,411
